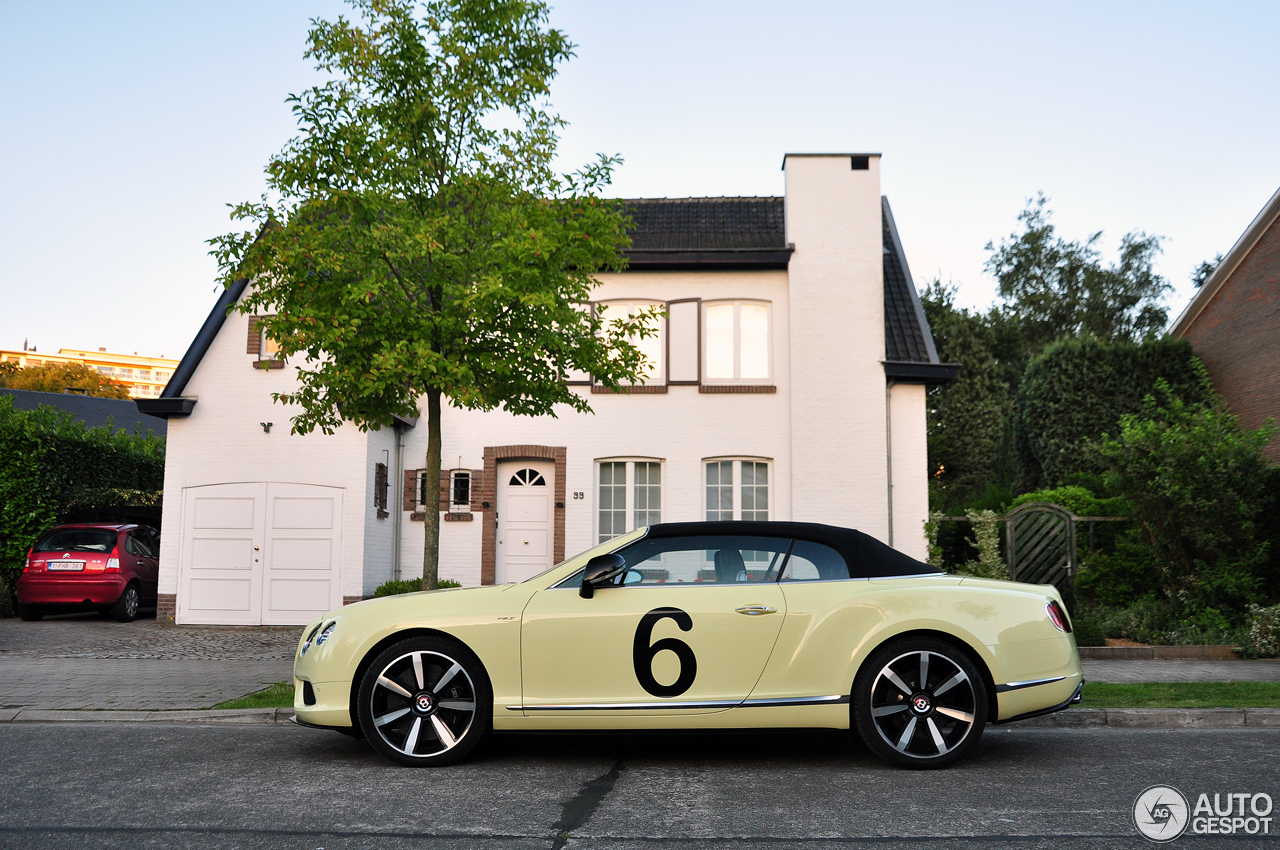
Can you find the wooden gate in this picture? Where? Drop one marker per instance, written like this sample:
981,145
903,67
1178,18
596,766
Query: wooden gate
1042,544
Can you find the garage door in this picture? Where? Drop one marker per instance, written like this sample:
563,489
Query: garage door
260,553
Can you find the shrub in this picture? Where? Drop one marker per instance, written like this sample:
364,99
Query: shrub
1088,633
53,469
1078,389
1196,481
411,585
1264,631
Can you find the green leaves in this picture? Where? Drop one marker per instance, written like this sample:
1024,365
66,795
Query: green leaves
1196,481
53,469
1060,288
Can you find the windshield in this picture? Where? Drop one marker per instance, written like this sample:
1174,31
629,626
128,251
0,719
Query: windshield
78,540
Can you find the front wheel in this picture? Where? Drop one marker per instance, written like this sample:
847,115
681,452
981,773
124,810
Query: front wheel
425,702
920,703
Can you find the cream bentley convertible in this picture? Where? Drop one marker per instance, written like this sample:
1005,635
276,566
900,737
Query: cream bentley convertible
715,625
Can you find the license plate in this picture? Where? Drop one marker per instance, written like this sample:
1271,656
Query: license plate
66,566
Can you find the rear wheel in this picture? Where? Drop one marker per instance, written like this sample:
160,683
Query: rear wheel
920,703
126,609
425,702
30,613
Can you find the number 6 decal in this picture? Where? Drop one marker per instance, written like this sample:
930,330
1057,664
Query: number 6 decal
642,653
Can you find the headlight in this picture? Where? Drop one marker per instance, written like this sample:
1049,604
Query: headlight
324,634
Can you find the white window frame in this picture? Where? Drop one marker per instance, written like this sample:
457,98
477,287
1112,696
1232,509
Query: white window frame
460,507
737,461
629,493
705,339
659,378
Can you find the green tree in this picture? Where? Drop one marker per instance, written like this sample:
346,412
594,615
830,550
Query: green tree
1205,270
968,418
1196,481
60,377
418,244
1059,288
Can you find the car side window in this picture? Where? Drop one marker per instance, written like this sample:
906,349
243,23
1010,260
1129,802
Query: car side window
725,559
130,545
137,543
814,562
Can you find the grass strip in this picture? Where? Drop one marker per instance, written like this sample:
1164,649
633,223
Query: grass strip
279,695
1181,695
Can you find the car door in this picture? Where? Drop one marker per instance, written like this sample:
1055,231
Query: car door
143,555
688,630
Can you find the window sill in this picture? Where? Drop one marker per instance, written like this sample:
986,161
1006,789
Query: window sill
382,514
457,517
641,389
732,389
268,364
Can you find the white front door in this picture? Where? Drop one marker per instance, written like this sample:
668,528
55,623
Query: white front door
526,490
259,553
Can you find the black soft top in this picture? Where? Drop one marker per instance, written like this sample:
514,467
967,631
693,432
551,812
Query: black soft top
866,556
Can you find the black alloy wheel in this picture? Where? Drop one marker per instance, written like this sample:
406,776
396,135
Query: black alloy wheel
920,703
425,702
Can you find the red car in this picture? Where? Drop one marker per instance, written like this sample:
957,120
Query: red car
113,568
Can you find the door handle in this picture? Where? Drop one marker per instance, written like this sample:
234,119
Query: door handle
755,610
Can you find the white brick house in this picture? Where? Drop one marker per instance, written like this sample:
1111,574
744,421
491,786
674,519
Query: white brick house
789,384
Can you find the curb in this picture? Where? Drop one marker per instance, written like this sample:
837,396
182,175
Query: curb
237,716
1159,653
1158,718
1075,718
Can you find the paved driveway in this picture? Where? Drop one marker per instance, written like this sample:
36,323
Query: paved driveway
91,661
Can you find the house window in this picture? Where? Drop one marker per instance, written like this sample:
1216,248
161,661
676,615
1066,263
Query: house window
162,376
629,495
381,486
737,490
268,348
460,491
736,342
653,347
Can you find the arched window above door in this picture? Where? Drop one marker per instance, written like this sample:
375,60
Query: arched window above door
528,478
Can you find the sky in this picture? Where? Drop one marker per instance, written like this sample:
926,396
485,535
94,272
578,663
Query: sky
127,128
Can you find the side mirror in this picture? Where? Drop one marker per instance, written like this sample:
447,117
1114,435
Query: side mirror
601,570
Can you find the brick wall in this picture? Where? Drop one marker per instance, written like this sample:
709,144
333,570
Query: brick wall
1237,335
493,455
166,607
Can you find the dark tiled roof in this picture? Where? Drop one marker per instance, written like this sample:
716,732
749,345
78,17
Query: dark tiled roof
707,224
907,338
93,412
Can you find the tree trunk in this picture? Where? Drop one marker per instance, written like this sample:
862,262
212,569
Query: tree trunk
431,495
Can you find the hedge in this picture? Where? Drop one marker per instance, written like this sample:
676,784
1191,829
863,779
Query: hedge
53,469
1078,389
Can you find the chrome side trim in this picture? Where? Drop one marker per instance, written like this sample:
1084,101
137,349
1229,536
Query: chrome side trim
1030,683
834,699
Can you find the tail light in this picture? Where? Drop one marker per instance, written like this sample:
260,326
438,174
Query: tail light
27,565
1058,616
113,561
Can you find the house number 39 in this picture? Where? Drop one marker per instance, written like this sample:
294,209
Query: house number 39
577,494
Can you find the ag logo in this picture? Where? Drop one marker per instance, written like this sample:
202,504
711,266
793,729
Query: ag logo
1161,813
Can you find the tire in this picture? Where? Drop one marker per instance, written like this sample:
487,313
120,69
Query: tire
30,613
126,609
919,703
425,702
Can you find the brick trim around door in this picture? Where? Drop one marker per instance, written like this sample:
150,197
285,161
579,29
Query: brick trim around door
487,491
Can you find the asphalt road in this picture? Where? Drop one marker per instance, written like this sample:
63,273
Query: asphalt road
109,786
